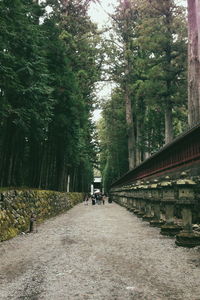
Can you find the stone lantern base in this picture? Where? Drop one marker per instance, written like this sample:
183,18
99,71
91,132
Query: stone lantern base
136,211
157,223
140,214
170,229
188,239
147,218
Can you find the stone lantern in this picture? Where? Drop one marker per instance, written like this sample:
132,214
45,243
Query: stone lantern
133,197
141,200
115,195
120,196
169,200
129,197
148,208
135,200
135,193
187,199
155,192
123,199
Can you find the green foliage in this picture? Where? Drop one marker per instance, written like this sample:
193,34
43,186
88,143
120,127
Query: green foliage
162,37
49,64
148,59
113,140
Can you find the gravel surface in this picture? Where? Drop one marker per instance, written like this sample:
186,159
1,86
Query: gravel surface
97,252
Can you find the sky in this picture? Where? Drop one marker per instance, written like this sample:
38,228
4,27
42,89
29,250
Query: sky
99,14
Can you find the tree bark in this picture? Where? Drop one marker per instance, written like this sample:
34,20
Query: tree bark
168,124
139,139
194,62
168,104
130,130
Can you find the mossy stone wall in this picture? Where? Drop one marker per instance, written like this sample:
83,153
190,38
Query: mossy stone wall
17,206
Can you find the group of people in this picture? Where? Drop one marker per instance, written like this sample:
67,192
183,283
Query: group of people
97,198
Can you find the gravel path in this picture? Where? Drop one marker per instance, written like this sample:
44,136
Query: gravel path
97,252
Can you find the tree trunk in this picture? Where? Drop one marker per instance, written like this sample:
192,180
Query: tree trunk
194,62
168,124
130,130
128,80
139,139
168,104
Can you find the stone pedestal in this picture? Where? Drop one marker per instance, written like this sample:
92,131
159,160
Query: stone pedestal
169,200
156,222
187,198
124,202
187,237
148,215
131,205
136,209
141,213
128,205
134,206
170,228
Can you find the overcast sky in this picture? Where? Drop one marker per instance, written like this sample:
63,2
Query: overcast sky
98,12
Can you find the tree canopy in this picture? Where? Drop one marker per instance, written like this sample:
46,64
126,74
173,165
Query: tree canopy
49,63
148,61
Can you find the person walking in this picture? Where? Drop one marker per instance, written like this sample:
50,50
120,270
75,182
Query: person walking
93,200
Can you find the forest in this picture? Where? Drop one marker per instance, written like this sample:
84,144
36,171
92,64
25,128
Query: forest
155,62
49,64
51,58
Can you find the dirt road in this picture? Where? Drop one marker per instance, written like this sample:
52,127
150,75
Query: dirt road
97,252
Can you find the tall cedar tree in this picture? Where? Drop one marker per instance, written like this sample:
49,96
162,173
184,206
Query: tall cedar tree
194,61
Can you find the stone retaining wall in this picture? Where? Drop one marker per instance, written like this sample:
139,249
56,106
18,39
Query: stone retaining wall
17,206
